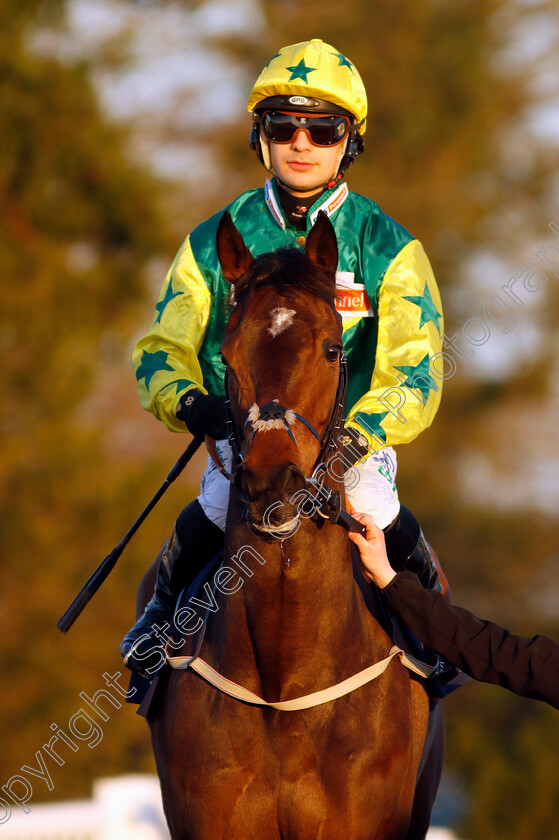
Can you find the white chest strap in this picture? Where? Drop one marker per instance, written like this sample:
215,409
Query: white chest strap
316,698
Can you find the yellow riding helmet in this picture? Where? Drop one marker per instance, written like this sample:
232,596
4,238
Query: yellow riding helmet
312,70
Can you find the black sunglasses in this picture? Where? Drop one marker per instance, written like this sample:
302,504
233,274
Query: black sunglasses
324,130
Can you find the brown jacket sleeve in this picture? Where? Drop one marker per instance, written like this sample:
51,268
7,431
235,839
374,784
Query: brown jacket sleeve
485,651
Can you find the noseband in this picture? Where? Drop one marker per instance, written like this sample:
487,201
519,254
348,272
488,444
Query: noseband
326,502
274,415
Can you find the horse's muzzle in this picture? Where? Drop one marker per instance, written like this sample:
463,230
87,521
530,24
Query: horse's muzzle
271,501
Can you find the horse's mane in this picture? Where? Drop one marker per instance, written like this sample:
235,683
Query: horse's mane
282,268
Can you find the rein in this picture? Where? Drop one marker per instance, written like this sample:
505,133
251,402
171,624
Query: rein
327,502
285,417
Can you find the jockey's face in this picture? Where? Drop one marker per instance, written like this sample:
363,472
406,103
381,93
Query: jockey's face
302,166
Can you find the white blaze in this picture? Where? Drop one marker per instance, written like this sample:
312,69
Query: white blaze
281,319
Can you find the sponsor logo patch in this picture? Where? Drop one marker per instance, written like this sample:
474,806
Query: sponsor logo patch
351,298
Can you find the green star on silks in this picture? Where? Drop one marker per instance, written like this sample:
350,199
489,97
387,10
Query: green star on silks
370,422
429,311
150,363
180,384
343,61
300,71
167,298
418,377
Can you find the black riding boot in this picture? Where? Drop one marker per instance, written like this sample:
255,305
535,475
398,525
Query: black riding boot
194,542
407,549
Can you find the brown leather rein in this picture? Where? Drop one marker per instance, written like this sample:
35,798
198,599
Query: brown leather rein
326,501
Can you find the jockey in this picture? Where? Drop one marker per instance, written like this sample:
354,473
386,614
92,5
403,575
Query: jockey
309,110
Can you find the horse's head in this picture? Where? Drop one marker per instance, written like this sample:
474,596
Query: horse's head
283,351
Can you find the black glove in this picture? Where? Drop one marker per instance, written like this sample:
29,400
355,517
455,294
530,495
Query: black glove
203,414
354,447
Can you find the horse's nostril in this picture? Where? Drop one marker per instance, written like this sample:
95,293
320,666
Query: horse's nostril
292,481
240,483
254,485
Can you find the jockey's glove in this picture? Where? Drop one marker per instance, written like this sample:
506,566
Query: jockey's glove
203,414
355,447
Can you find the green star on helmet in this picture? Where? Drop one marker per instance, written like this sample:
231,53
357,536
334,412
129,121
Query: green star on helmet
300,71
277,55
343,61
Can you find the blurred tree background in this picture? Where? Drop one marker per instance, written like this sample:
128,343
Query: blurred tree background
122,125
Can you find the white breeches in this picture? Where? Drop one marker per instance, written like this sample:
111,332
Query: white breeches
370,487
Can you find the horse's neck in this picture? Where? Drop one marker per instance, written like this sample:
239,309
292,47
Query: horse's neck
298,617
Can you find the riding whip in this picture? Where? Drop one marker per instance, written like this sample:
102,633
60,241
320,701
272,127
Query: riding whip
106,567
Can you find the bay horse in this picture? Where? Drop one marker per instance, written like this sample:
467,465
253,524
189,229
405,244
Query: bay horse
294,620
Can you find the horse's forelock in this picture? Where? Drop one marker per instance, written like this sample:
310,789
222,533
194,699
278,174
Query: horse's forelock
283,268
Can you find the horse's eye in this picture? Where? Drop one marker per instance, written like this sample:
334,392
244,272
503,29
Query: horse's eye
333,352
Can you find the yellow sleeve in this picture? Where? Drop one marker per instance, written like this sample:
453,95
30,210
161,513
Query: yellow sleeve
166,358
406,383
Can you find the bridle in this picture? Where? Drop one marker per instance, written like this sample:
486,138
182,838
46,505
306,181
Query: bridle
274,411
324,501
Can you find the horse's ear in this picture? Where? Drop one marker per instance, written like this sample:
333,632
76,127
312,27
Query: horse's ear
322,245
234,257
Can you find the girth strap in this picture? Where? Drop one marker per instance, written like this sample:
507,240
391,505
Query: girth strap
317,698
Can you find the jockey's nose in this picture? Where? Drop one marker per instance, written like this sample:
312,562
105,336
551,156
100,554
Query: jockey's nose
301,141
